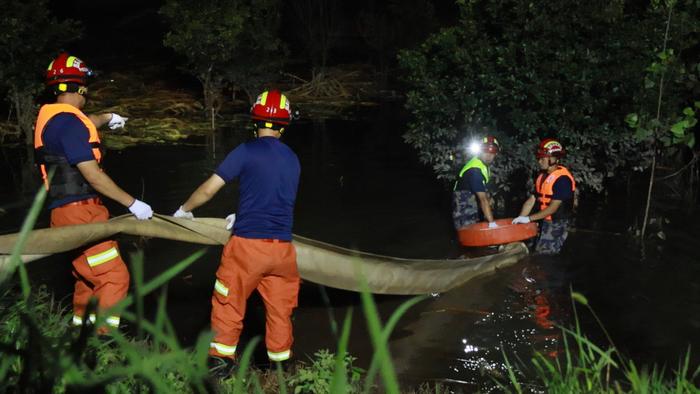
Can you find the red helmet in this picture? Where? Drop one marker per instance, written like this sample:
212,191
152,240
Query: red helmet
273,107
490,144
67,69
550,147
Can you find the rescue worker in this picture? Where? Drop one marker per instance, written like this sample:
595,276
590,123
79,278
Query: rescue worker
259,255
469,192
66,139
554,195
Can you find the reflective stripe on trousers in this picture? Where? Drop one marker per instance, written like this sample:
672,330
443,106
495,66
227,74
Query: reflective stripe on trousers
112,321
103,257
224,350
279,356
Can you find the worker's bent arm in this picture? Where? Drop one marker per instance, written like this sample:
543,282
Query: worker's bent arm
485,206
104,185
100,119
527,206
551,208
204,193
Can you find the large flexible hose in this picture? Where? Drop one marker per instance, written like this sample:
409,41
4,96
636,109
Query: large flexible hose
318,262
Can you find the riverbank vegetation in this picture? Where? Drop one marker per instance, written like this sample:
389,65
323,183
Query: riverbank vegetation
41,352
29,35
615,82
586,367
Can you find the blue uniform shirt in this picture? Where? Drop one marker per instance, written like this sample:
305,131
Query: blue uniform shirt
268,175
562,189
476,180
65,135
472,180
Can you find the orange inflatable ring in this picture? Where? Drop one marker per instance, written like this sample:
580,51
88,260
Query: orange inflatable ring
479,234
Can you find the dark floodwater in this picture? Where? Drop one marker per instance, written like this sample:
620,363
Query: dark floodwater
363,188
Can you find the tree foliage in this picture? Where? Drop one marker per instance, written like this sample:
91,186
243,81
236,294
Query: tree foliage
388,25
30,37
261,53
317,29
528,70
221,40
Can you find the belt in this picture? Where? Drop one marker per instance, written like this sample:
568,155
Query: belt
87,201
274,240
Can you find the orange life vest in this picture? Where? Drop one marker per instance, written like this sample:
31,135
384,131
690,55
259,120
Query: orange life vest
46,113
544,186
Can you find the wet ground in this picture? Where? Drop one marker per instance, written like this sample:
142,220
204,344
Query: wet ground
363,188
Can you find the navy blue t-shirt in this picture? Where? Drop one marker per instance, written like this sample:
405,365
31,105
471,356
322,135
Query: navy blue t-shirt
472,180
268,175
561,190
66,135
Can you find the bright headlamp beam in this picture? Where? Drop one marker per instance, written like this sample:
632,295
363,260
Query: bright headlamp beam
474,148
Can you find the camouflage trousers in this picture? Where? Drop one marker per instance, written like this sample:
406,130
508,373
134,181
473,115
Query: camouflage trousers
465,210
552,236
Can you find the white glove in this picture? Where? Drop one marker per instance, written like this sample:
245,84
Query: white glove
141,210
180,213
230,219
116,121
521,220
492,225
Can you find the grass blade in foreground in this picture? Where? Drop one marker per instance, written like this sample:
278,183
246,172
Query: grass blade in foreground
339,384
374,325
27,226
243,366
137,278
388,329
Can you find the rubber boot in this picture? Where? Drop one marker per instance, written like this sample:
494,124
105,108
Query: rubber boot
221,367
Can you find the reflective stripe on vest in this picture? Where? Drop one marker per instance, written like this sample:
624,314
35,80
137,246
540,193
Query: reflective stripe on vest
545,186
475,162
46,113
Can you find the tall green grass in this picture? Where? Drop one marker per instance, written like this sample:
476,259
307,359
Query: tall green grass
586,367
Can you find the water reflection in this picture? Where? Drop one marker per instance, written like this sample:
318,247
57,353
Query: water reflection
459,338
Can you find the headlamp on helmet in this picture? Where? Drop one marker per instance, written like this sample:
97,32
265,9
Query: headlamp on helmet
474,148
488,144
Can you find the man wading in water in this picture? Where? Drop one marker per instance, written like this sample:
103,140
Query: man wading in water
469,192
554,191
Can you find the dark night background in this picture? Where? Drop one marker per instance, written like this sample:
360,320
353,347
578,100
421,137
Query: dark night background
120,34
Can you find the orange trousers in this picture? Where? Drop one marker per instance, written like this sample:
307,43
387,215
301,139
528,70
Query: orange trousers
99,270
248,264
